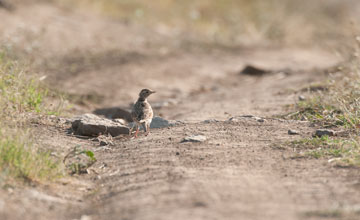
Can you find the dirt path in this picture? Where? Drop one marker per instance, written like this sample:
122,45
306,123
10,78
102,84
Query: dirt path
244,170
236,174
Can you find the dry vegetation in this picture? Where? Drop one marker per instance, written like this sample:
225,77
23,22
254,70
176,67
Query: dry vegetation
234,22
22,97
335,105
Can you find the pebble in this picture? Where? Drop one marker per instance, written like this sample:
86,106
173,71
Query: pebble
194,138
302,98
293,132
210,121
323,132
238,118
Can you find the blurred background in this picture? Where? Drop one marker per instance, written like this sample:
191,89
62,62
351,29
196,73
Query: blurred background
237,22
102,52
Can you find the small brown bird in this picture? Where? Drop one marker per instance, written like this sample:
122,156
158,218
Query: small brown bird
142,112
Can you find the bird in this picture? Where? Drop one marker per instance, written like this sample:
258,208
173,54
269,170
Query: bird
142,112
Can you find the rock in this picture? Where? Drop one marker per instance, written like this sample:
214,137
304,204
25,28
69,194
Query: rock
158,122
93,125
293,132
323,132
234,119
247,116
210,121
258,119
238,118
302,98
253,71
194,138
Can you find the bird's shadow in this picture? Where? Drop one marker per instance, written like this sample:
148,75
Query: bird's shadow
114,113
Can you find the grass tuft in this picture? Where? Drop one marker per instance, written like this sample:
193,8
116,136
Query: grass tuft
21,93
342,151
337,103
21,159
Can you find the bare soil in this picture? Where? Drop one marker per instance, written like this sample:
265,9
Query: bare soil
244,170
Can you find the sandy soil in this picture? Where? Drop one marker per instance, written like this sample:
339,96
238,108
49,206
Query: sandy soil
244,170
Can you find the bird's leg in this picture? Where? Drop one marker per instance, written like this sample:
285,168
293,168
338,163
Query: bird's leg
131,129
147,129
144,127
137,130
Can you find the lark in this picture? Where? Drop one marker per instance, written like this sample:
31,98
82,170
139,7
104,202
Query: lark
142,112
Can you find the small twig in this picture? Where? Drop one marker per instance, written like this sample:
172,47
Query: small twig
67,155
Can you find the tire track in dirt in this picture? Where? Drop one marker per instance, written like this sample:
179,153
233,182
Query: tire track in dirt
234,175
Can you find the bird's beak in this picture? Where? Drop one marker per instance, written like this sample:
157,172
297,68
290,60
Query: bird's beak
153,91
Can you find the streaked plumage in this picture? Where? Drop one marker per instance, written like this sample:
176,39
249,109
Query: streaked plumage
142,112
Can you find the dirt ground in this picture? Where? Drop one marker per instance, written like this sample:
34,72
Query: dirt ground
244,170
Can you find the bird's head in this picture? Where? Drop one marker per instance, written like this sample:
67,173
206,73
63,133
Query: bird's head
145,93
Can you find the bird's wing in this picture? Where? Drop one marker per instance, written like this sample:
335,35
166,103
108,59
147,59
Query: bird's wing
141,111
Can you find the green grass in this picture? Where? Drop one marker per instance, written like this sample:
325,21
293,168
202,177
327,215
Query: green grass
338,107
21,94
21,159
20,91
337,103
334,104
345,150
317,110
79,160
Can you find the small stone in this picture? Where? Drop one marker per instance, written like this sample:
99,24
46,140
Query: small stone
210,121
234,119
302,98
177,153
238,118
259,119
323,132
303,118
158,122
293,132
194,138
254,71
105,140
247,116
62,120
103,143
